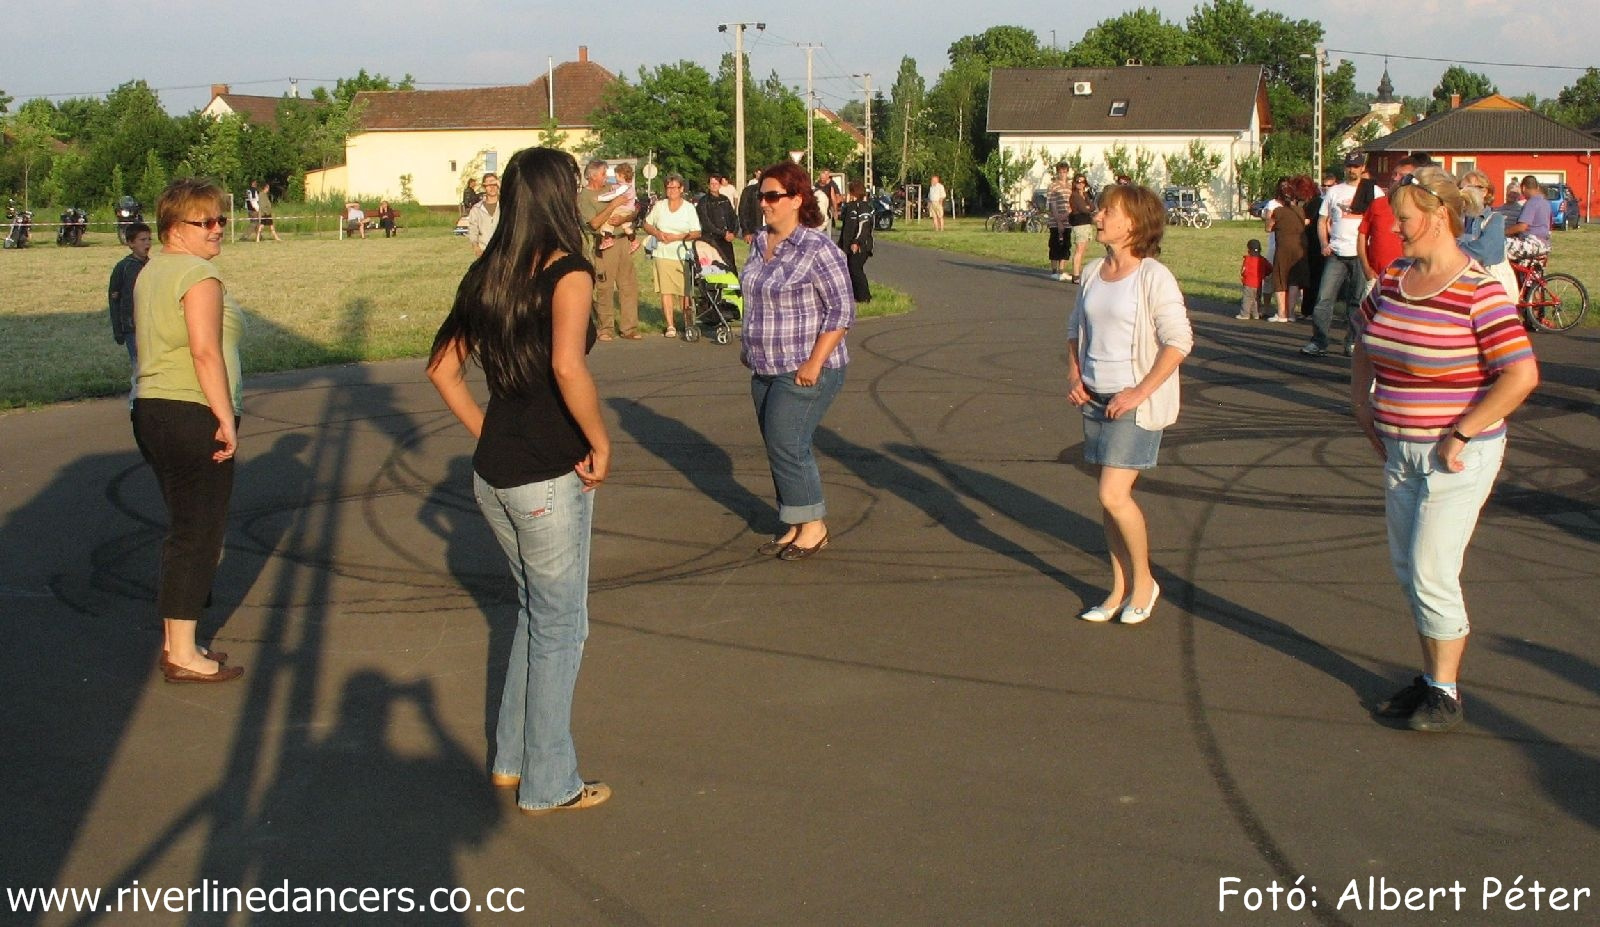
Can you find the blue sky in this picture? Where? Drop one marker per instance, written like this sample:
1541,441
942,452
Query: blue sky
86,47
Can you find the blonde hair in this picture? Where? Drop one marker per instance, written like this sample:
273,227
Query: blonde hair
1476,199
1431,188
624,172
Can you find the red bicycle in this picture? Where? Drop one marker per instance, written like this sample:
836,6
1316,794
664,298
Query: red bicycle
1548,302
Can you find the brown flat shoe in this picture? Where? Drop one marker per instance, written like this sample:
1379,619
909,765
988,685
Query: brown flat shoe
216,655
174,673
593,793
634,336
773,547
794,551
504,780
604,336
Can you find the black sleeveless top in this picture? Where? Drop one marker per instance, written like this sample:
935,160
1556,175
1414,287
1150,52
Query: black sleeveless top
531,438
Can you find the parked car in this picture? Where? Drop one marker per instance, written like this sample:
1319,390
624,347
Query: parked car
1563,206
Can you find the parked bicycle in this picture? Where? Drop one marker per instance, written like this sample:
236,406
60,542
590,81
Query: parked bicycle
1185,206
1017,219
1548,302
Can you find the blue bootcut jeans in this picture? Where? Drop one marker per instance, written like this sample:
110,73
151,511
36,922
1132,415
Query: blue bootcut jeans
788,415
1341,281
544,530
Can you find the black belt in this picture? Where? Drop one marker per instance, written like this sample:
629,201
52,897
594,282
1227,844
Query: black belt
1102,398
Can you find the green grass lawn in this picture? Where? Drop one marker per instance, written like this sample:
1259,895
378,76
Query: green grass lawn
1205,261
310,299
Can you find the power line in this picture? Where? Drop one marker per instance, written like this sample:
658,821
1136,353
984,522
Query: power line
1481,64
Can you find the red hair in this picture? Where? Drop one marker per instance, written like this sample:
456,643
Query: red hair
795,183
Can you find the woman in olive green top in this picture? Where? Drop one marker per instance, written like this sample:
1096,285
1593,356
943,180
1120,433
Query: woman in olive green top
186,416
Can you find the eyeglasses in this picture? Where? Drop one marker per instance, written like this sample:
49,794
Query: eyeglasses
217,222
772,196
1081,182
1329,186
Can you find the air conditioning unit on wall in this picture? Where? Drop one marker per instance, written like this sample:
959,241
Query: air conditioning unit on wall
1082,88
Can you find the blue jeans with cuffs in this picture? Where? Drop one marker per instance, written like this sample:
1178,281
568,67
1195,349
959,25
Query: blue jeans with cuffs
788,415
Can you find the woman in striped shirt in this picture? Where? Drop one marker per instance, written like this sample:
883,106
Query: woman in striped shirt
1441,342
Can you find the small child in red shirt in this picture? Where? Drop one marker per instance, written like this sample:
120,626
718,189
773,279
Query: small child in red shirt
1254,270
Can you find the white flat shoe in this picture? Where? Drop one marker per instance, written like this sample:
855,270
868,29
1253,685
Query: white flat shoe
1102,613
1131,615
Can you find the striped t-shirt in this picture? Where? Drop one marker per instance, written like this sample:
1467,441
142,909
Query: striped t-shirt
1435,357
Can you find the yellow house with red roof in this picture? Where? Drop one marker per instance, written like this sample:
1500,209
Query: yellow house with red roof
440,138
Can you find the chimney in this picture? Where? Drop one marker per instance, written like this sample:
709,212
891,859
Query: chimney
1455,101
218,90
583,53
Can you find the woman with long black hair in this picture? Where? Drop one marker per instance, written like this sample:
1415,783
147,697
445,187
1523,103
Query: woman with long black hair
522,313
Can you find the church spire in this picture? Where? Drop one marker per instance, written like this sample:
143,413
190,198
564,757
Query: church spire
1385,86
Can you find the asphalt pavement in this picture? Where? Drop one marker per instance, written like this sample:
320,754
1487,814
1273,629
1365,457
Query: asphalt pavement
909,728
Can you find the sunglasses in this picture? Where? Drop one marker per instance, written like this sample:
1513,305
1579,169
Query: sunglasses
772,196
218,222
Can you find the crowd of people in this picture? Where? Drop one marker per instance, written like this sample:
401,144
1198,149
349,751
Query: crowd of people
1440,360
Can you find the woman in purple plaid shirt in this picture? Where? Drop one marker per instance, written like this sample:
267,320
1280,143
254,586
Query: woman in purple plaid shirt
798,307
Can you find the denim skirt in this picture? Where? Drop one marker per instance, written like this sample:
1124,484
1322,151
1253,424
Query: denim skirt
1117,442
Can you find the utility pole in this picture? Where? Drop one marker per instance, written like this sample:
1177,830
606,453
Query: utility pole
738,92
1319,59
811,114
866,168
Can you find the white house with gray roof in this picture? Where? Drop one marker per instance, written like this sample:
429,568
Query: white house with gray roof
1045,115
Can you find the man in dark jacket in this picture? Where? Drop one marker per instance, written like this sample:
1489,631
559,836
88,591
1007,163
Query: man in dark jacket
750,209
718,224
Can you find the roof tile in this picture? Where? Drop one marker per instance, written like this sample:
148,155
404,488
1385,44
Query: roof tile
579,86
1159,99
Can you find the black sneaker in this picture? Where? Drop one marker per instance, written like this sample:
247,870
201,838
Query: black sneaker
1311,350
1438,713
1403,703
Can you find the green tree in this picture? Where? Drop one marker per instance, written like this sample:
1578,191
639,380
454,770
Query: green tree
152,181
1142,34
670,111
1135,164
5,101
550,134
217,154
959,142
33,138
1579,104
346,88
1458,80
1004,172
906,123
1197,166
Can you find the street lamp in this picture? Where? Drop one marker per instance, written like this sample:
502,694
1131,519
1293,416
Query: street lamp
738,92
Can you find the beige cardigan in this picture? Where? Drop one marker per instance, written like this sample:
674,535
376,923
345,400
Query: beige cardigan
1160,320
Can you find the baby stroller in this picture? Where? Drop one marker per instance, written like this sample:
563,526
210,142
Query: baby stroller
713,292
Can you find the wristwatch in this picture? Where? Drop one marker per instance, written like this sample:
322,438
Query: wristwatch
1456,432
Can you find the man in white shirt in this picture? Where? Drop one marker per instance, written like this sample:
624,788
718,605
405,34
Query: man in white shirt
485,215
936,203
1337,229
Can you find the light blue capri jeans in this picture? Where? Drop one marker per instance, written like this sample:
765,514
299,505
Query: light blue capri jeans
1431,513
544,530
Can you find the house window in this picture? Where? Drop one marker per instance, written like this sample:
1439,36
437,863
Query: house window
491,162
1463,165
1119,107
452,167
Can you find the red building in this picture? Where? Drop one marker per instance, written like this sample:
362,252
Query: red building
1505,140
